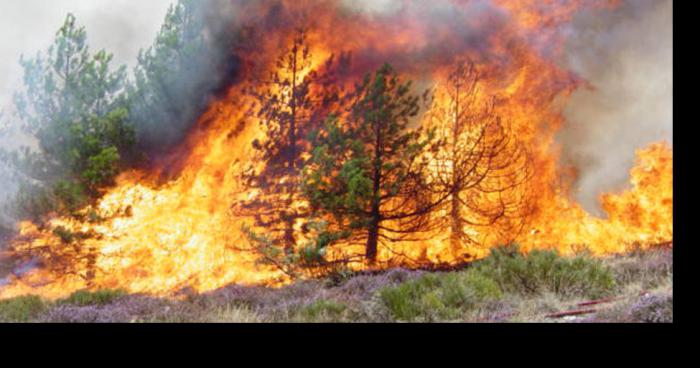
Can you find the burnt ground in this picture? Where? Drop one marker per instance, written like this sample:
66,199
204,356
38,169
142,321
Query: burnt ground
643,292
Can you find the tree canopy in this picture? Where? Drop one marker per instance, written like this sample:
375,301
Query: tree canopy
366,170
73,105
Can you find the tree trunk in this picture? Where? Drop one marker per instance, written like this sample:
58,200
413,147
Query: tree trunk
456,225
289,240
373,238
91,265
455,212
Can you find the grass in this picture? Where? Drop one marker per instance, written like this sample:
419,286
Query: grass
100,297
452,296
234,314
21,309
438,297
508,286
545,271
322,311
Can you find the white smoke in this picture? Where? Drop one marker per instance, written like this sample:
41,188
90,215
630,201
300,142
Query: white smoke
122,27
627,55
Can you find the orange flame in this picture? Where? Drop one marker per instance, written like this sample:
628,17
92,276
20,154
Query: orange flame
161,238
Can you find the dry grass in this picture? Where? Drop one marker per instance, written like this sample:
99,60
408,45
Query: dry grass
504,290
234,314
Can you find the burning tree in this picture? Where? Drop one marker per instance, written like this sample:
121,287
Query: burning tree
477,161
175,76
73,105
366,171
289,104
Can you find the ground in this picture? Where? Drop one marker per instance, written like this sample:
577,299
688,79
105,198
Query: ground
506,287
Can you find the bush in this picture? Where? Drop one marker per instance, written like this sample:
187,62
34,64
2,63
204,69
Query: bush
438,296
653,309
21,309
101,297
546,271
323,310
485,288
649,269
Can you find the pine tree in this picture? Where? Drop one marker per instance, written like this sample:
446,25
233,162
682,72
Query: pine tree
290,102
366,172
73,105
173,77
477,160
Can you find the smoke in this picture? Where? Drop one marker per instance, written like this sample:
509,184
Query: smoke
181,83
625,54
627,57
29,26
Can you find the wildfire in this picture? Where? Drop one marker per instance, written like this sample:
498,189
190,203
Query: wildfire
161,238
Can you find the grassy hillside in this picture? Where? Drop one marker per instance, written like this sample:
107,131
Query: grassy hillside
506,287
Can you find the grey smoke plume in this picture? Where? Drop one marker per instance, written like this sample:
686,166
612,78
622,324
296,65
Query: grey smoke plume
28,26
627,55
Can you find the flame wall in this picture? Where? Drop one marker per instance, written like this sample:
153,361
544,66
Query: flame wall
172,227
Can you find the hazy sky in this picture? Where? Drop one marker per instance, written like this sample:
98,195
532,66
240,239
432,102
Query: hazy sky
28,26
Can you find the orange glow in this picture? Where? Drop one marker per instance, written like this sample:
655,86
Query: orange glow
161,238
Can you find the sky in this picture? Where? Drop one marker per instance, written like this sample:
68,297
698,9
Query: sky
28,26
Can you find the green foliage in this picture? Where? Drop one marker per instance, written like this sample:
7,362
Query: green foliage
484,287
69,196
451,296
73,104
362,161
545,271
438,296
308,258
172,76
101,168
323,310
100,297
33,201
21,309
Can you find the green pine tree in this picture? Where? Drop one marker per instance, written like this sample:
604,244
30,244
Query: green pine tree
366,172
73,105
172,76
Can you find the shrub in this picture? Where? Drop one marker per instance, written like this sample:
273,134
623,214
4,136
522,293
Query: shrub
21,309
323,310
485,288
337,276
100,297
649,269
438,296
653,309
545,271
